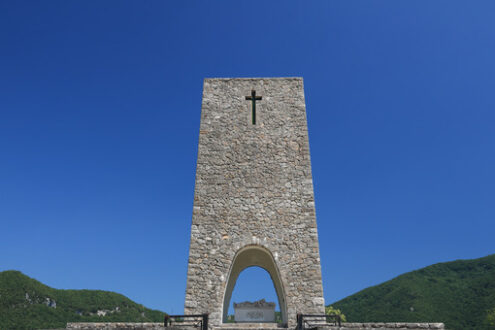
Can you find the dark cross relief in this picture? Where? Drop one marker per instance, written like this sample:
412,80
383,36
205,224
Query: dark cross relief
253,98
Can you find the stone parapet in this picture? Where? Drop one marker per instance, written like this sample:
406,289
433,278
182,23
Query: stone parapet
254,326
250,326
386,326
117,325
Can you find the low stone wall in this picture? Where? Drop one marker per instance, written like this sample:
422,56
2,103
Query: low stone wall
386,326
116,326
240,326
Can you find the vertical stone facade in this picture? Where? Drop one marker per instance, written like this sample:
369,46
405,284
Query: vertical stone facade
253,199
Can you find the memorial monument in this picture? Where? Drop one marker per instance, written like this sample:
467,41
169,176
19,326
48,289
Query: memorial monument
253,206
253,198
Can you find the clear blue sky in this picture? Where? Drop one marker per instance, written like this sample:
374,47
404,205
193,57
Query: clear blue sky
99,121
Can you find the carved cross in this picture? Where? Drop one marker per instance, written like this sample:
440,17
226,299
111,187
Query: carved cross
253,98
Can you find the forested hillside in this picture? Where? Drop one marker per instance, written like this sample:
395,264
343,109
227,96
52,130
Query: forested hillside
459,293
28,304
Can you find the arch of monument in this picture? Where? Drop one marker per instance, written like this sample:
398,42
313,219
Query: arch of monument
253,198
249,256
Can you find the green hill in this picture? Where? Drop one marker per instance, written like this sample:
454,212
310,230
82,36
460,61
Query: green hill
459,293
28,304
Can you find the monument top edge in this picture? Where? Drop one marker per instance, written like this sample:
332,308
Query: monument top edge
254,78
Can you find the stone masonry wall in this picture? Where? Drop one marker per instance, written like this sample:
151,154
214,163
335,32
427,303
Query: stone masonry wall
253,187
345,326
387,326
116,326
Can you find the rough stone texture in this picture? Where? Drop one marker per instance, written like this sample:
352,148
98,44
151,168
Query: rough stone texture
256,326
254,188
386,326
117,325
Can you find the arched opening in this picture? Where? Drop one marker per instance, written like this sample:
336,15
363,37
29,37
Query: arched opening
254,256
253,284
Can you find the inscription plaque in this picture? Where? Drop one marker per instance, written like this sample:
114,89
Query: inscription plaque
258,311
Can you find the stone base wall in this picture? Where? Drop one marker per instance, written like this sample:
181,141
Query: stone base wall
237,326
386,326
116,326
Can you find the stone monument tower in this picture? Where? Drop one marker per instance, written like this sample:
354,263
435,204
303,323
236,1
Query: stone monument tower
253,199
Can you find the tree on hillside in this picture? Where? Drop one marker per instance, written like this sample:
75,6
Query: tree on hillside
490,317
329,310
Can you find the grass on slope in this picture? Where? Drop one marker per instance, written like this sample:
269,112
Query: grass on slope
459,293
28,304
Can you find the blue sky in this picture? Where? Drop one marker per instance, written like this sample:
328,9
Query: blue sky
99,121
